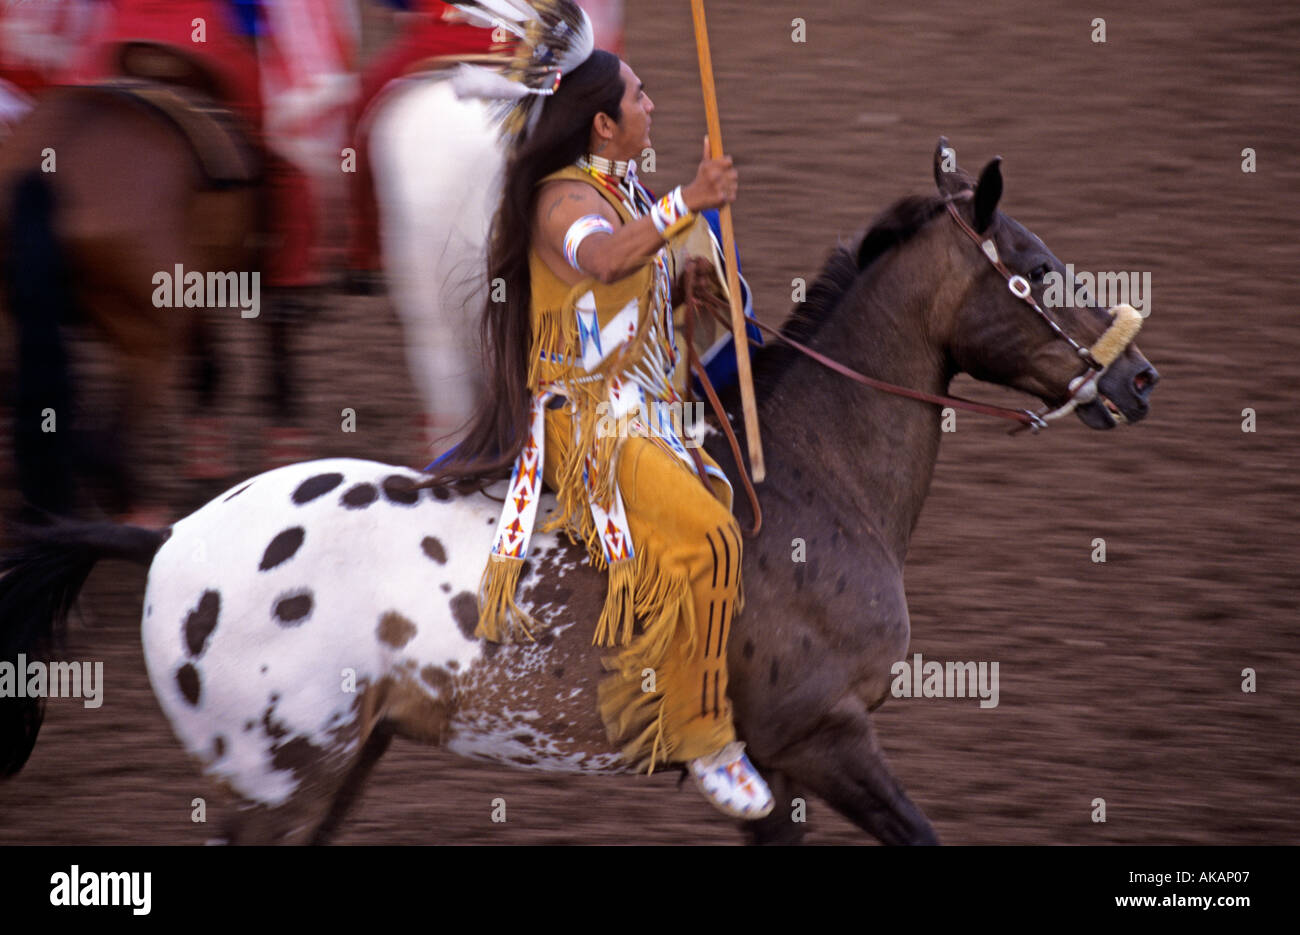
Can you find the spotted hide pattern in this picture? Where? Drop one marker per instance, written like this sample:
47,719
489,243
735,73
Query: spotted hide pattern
292,614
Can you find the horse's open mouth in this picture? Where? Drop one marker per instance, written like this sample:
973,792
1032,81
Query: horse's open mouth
1098,414
1101,413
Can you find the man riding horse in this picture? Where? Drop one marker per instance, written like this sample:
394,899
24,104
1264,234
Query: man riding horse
582,354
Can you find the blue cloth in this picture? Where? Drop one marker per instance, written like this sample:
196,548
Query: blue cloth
721,367
249,20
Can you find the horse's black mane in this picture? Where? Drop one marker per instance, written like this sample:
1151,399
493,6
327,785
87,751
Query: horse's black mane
893,227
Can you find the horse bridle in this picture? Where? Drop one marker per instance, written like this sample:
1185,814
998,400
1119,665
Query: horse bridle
1098,356
1082,389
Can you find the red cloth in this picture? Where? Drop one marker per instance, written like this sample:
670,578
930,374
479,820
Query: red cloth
227,54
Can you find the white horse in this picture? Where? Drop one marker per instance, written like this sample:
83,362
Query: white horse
437,161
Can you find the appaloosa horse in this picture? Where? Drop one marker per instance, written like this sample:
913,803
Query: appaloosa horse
297,623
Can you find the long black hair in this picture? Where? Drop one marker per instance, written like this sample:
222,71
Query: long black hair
563,133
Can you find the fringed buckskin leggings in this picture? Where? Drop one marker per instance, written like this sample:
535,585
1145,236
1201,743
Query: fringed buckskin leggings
688,587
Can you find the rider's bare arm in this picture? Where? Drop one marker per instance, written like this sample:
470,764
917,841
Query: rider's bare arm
611,256
606,256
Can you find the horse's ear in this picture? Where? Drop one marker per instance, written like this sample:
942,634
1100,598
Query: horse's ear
988,192
950,179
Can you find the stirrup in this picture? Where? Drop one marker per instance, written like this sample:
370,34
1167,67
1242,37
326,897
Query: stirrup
730,782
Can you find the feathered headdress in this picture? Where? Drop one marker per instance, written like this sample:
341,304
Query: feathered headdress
553,37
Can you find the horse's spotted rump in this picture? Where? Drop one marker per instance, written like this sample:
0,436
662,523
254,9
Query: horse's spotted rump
432,547
187,679
298,756
464,609
441,493
270,726
438,679
249,704
317,486
359,496
293,609
395,630
201,621
400,490
282,548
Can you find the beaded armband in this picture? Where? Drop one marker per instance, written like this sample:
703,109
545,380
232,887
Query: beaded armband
579,231
669,213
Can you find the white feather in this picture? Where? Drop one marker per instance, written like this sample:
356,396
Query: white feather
582,47
499,13
476,81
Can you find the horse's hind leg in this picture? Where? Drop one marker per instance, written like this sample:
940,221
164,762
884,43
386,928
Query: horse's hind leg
842,762
314,813
350,790
290,823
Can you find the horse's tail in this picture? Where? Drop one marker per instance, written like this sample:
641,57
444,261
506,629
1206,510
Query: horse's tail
41,579
40,300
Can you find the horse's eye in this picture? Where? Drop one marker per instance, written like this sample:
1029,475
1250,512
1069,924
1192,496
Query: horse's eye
1039,272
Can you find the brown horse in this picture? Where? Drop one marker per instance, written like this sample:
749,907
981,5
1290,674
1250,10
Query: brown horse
915,304
293,626
102,188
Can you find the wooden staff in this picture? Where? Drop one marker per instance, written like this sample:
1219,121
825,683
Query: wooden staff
738,324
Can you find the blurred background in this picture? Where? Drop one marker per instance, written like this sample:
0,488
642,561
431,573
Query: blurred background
1119,680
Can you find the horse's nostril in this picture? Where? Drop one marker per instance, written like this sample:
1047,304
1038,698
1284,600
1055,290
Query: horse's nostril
1143,381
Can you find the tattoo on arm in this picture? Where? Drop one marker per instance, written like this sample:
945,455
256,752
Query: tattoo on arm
571,196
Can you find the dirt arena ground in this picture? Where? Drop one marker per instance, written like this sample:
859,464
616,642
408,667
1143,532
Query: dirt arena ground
1119,680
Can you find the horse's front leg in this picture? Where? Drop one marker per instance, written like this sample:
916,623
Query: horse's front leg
842,762
786,823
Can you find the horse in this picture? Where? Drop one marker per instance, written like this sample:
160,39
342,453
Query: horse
102,188
434,227
296,624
